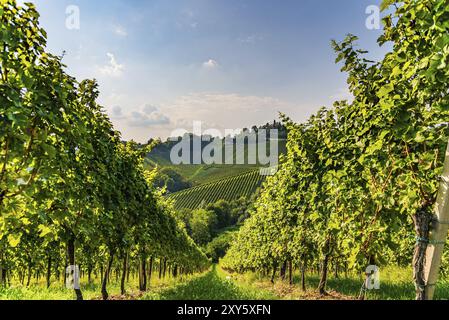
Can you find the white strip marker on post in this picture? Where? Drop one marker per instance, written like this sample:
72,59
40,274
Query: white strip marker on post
72,277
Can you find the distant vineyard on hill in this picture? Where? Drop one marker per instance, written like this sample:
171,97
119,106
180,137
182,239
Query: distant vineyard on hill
232,188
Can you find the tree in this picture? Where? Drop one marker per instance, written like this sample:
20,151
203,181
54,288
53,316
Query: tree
201,225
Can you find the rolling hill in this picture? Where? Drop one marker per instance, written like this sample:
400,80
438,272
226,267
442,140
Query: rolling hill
230,188
199,174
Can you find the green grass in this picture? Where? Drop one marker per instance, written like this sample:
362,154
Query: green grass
216,284
396,284
56,292
229,189
212,285
38,291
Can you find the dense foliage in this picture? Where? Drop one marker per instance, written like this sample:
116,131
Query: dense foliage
209,221
70,191
360,179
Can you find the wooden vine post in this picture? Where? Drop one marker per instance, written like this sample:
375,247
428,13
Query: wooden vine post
439,232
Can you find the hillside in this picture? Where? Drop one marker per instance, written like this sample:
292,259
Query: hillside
231,188
199,174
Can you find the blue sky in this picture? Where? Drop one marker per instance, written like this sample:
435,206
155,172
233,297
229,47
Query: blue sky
163,64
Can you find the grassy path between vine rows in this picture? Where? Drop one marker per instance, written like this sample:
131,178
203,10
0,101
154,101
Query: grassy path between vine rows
213,285
216,284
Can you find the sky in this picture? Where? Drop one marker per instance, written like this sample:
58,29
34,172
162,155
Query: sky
161,65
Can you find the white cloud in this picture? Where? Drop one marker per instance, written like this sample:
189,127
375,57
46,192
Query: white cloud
251,39
224,111
219,111
148,116
120,31
148,109
139,119
117,113
211,64
113,69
